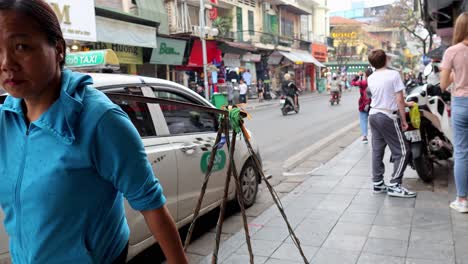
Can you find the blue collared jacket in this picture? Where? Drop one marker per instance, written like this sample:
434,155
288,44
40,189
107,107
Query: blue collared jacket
63,177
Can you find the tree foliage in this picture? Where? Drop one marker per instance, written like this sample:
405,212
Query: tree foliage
224,24
406,15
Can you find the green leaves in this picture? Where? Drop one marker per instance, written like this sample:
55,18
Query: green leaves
224,24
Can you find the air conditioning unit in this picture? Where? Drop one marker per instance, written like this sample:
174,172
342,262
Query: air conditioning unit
266,6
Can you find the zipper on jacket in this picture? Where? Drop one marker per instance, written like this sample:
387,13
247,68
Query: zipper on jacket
17,199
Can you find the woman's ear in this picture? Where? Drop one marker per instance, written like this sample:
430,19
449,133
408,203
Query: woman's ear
60,49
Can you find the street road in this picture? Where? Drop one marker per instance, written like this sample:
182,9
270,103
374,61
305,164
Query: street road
281,137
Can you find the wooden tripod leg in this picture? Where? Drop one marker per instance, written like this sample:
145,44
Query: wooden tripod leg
240,200
274,196
219,226
204,186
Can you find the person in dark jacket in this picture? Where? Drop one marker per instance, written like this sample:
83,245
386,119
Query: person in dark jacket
233,76
290,89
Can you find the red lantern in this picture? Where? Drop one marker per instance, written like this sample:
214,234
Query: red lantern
213,13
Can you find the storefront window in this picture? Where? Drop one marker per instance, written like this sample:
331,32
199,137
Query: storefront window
240,27
287,27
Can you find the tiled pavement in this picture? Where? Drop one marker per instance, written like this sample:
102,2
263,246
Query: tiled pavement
339,220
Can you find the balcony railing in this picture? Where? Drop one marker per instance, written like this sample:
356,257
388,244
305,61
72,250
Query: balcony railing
265,38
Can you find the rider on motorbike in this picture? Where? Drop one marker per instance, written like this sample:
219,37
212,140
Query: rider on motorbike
336,86
290,89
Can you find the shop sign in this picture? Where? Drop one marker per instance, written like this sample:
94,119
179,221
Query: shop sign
344,35
169,52
125,54
320,52
85,59
76,17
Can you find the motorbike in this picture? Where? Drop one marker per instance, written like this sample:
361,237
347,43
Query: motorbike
410,85
335,97
287,105
432,141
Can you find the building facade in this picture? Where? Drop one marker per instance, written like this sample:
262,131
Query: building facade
162,38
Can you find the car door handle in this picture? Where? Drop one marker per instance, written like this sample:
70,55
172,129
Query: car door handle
188,148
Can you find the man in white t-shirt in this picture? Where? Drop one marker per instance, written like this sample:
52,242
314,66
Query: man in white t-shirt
243,92
388,102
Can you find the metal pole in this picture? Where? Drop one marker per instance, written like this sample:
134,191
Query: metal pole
203,41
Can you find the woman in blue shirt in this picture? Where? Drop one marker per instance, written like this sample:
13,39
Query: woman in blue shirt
68,155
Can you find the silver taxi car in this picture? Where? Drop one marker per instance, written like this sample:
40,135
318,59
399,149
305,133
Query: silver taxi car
178,143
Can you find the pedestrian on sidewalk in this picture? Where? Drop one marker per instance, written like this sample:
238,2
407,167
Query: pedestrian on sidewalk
364,101
69,155
247,76
455,70
388,101
260,90
243,92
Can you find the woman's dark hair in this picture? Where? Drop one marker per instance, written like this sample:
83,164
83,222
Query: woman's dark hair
368,72
43,14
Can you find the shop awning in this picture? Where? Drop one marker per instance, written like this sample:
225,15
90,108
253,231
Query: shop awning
300,57
213,54
275,58
125,33
92,60
236,47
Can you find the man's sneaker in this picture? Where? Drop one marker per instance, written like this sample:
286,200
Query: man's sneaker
400,191
461,207
380,187
364,140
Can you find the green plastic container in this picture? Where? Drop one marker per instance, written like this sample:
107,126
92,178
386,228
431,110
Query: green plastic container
219,100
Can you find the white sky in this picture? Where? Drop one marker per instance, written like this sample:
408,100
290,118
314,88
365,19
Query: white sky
338,5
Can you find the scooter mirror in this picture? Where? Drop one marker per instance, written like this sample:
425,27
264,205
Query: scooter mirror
428,70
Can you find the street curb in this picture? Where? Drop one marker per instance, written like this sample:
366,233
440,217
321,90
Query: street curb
300,157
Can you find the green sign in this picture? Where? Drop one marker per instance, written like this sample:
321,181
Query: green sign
169,52
85,59
164,49
219,161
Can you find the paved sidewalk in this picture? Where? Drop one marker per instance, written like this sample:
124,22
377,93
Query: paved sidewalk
339,220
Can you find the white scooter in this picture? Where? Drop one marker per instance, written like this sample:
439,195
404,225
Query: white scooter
432,141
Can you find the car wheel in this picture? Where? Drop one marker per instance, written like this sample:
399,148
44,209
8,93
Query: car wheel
249,183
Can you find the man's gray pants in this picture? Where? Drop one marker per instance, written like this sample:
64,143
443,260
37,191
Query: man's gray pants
387,131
